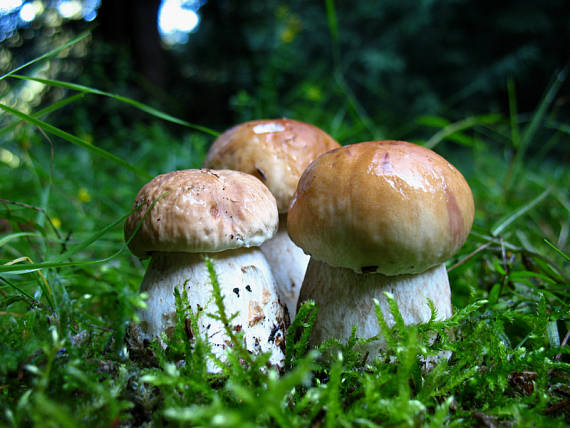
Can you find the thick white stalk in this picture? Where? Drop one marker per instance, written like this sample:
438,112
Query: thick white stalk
345,298
248,288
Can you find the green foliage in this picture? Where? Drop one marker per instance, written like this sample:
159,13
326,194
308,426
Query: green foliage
298,333
69,292
385,64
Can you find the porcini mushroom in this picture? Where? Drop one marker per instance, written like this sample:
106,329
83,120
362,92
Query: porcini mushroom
277,151
376,217
227,215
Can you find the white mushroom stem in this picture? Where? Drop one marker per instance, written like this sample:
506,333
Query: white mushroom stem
345,298
248,289
288,263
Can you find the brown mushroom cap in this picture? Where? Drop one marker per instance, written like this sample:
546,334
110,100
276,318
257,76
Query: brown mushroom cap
384,206
201,210
277,151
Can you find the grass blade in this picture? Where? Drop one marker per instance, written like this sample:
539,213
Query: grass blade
18,289
94,237
532,127
58,261
17,235
143,107
503,224
42,282
23,269
538,115
356,108
461,125
358,111
558,250
515,136
558,126
332,20
75,140
49,54
49,109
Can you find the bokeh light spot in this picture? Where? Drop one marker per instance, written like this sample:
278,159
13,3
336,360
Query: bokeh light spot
176,19
69,8
28,12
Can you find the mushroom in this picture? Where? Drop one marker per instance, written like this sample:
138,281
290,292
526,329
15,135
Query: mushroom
378,217
183,216
277,151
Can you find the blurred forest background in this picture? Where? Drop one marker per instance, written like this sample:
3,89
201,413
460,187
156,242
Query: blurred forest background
483,83
361,70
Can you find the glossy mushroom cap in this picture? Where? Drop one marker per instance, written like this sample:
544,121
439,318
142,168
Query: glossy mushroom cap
277,151
390,207
201,210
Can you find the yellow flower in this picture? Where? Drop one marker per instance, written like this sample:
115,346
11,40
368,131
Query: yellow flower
83,195
288,35
313,93
293,26
56,222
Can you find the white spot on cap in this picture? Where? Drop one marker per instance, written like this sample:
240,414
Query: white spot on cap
264,128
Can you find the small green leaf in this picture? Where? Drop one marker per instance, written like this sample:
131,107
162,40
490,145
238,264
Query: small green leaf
494,294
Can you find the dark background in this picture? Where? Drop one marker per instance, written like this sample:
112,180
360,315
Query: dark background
389,63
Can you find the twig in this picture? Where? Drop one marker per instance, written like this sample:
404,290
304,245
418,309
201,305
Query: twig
558,406
486,420
99,327
478,250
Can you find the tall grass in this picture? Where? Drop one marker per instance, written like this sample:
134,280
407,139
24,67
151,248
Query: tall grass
69,292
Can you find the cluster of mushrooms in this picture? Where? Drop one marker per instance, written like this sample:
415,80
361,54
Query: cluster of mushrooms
287,214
